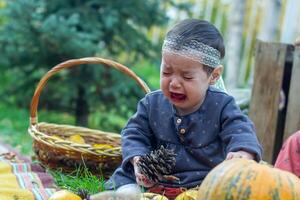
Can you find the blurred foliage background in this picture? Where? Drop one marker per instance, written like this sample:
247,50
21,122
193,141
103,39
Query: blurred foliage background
35,35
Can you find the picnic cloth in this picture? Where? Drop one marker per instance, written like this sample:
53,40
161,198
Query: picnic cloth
20,178
289,156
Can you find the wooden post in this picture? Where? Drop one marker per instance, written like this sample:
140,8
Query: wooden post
268,74
292,123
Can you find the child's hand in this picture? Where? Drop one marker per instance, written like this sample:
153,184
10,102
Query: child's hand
240,154
141,179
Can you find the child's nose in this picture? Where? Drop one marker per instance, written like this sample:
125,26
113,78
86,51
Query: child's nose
175,83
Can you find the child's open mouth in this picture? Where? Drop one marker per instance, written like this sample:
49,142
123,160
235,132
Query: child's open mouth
177,96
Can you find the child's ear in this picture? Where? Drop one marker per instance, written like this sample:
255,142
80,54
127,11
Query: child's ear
216,74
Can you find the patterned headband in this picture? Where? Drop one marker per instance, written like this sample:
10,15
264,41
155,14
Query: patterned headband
194,50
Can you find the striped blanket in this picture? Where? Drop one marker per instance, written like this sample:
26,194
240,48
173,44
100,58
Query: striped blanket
22,179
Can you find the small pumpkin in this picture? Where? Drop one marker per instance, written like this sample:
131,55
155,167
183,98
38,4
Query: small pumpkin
246,179
64,195
152,196
190,194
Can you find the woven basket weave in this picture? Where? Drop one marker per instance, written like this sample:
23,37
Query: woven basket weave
50,141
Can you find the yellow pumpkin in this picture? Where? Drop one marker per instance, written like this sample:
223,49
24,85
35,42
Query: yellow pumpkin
152,196
64,195
246,179
190,194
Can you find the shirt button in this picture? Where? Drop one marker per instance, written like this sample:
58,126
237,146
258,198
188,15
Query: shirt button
182,131
178,121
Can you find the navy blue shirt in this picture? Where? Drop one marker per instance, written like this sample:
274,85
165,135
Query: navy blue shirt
201,139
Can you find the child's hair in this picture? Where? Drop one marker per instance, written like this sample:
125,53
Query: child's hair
201,31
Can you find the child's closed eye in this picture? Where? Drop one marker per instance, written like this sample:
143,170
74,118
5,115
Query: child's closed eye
166,73
188,77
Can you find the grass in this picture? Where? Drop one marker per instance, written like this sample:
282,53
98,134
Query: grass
82,178
13,128
14,123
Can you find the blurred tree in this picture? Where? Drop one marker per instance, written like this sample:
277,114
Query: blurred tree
253,18
234,42
40,34
270,29
2,5
290,22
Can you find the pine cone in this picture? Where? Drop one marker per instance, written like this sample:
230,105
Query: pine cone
157,164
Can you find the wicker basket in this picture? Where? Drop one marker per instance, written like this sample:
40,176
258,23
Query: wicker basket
50,141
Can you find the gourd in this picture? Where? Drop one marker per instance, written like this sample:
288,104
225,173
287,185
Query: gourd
64,195
246,179
190,194
152,196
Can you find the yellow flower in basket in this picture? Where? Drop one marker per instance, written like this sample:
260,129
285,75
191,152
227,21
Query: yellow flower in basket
77,139
57,137
102,146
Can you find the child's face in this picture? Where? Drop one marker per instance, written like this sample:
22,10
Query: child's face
184,82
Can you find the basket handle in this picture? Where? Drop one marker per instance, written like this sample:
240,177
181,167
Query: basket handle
72,63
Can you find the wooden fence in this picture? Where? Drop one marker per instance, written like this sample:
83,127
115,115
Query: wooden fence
277,70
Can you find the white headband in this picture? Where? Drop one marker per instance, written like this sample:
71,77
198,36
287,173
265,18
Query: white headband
194,50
